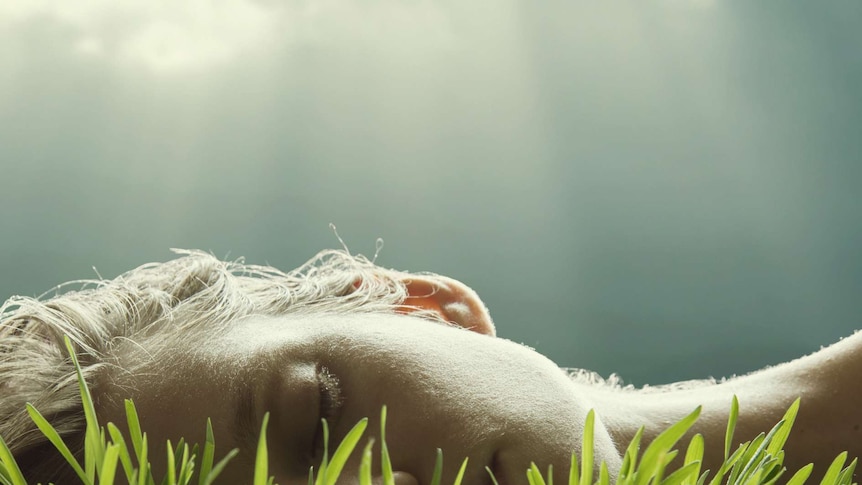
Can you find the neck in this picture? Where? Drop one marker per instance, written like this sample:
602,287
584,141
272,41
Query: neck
827,424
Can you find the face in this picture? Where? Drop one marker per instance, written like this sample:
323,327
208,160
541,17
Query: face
472,395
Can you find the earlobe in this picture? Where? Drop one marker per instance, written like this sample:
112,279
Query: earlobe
454,301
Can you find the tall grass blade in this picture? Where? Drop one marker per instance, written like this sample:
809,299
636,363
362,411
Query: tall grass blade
125,457
460,475
438,469
171,475
11,472
801,475
385,461
261,461
846,475
134,428
686,474
218,467
365,464
604,474
93,447
187,466
208,455
490,474
144,475
834,469
574,473
758,456
324,462
731,426
342,453
109,465
587,449
630,458
652,459
781,435
536,474
55,439
694,454
4,476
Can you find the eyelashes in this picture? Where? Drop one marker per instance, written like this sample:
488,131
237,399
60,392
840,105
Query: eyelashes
331,402
331,398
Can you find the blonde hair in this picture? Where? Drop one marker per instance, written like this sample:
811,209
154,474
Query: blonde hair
150,304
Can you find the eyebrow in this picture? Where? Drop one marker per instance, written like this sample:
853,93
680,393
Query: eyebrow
246,419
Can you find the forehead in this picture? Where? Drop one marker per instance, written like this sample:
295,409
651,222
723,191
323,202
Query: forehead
177,383
249,348
214,368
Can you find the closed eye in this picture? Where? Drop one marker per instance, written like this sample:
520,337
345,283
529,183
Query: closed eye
246,419
330,404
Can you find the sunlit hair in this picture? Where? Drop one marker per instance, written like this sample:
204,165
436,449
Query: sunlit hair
195,294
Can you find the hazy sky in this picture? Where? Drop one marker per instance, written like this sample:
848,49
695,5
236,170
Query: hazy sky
665,190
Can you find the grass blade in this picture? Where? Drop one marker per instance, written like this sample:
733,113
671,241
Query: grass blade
630,459
125,457
171,475
604,474
54,437
537,475
846,475
831,475
694,454
781,435
261,461
93,447
731,426
218,467
686,474
385,461
490,474
438,469
134,428
208,455
460,475
802,475
345,448
365,464
10,468
109,465
652,461
187,466
574,475
324,463
144,475
587,449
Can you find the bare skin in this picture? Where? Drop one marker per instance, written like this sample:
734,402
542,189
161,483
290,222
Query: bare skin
827,424
469,393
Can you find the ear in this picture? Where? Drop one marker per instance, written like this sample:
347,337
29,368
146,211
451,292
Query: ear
454,301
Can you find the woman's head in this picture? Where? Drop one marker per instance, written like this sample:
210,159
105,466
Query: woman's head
196,338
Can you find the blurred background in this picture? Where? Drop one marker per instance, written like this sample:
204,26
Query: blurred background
665,191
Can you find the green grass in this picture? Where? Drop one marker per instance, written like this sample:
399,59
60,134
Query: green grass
109,457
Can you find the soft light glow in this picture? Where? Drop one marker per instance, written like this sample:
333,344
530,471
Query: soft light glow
168,36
